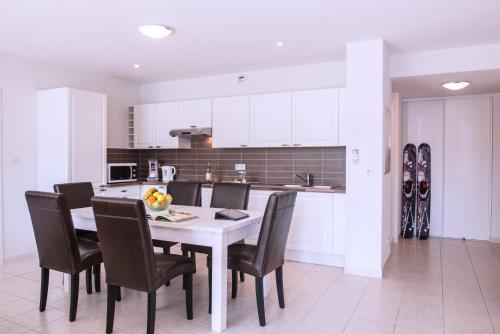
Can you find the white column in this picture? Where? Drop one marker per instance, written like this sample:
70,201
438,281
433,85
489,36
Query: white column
368,106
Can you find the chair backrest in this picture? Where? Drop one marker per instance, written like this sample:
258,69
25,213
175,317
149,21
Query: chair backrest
78,194
230,196
55,235
185,192
125,241
274,230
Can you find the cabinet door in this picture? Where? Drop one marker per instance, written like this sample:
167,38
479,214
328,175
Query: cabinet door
144,126
342,116
270,120
132,191
165,118
339,223
315,118
230,122
257,201
311,229
196,113
88,131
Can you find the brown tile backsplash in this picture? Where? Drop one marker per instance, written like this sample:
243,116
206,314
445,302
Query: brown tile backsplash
264,165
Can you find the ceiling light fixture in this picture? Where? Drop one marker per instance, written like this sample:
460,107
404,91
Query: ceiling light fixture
280,44
137,66
155,30
456,85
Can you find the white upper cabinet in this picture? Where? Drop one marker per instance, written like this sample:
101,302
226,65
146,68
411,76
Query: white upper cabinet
342,116
315,118
144,126
270,120
165,118
230,122
195,113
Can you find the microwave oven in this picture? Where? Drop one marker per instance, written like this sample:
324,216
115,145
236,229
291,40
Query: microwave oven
122,172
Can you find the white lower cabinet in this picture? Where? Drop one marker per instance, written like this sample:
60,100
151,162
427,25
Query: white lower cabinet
131,191
317,233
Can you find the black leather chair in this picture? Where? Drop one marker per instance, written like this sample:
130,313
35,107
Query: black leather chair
57,244
129,257
225,196
183,193
269,253
79,195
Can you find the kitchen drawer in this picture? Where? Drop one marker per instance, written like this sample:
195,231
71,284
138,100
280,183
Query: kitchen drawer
120,191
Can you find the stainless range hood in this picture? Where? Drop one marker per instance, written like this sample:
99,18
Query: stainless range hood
191,132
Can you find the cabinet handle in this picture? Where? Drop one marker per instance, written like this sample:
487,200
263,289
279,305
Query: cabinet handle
124,190
150,147
244,145
193,126
102,189
296,144
158,146
285,145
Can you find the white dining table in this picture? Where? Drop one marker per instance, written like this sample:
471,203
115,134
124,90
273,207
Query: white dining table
204,230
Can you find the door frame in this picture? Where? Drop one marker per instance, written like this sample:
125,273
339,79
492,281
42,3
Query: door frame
2,234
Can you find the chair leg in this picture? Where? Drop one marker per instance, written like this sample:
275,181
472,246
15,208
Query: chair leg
259,293
118,294
151,312
110,312
234,283
166,250
242,276
210,290
188,282
75,285
97,277
88,280
44,289
193,256
279,286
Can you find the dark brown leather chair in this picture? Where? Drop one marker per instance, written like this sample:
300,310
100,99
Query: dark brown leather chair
183,193
268,254
224,196
79,195
58,246
129,257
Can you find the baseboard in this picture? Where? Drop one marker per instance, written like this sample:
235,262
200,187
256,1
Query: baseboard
333,260
495,240
22,257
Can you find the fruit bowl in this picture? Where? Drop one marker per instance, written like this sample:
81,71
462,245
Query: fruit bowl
156,200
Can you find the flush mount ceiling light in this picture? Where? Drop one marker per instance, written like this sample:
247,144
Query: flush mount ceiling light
137,66
155,30
456,85
279,44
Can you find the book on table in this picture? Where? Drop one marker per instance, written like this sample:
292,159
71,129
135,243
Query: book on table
170,216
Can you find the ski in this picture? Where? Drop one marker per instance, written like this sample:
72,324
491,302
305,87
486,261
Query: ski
423,191
408,191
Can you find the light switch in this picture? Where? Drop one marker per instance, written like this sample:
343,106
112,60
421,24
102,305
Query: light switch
355,156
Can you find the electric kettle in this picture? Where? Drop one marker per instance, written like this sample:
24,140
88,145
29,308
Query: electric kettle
168,173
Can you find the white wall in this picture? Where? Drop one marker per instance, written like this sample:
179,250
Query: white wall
472,58
20,78
495,184
263,81
396,148
367,91
424,123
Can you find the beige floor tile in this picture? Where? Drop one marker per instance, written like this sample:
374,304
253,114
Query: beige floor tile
368,326
16,308
8,327
35,319
331,322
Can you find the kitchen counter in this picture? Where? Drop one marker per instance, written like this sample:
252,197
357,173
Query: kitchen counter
255,186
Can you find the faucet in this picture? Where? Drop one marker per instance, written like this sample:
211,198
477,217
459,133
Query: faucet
306,179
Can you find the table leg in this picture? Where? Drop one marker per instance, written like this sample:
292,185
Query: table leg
267,289
219,284
66,282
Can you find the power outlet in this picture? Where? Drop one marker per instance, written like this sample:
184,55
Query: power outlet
239,167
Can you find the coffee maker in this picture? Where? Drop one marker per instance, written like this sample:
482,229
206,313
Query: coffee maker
153,170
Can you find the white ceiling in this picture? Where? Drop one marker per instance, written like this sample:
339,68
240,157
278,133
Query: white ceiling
220,36
483,82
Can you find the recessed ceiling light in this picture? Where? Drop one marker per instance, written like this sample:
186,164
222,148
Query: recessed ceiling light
280,44
155,30
137,66
456,85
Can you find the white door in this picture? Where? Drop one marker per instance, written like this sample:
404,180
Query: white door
88,129
467,171
192,114
144,126
270,120
230,122
315,118
165,117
